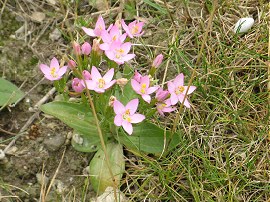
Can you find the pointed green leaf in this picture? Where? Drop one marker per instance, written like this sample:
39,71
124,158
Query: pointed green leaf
99,172
149,138
9,93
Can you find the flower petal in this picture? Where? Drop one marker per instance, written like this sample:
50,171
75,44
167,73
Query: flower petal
91,85
62,71
95,74
190,90
54,63
108,85
132,106
89,31
109,75
173,98
145,80
137,118
171,87
135,85
147,98
128,57
44,68
179,80
118,107
118,119
152,89
181,98
126,47
127,127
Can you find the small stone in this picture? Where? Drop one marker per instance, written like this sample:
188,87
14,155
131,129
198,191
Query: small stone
52,2
12,150
55,35
54,143
243,25
108,196
42,179
2,154
38,17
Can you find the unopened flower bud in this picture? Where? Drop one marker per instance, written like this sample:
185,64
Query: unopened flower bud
77,85
86,75
76,48
137,76
86,48
72,64
157,61
122,82
111,101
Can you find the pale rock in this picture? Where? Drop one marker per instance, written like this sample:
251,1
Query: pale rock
2,155
108,196
243,25
55,35
38,17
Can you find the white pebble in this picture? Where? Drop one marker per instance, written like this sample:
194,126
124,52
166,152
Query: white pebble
2,154
243,25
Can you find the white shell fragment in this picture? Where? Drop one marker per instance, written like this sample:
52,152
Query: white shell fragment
243,25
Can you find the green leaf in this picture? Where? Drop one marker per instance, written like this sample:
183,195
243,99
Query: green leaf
127,94
156,6
9,93
80,118
99,172
149,138
85,143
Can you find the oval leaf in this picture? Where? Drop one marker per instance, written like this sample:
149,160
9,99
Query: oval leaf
85,143
9,93
99,172
149,138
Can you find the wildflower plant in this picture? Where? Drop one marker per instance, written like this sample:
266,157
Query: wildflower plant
115,106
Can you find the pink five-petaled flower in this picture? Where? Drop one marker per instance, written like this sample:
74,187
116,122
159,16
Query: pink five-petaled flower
178,90
133,29
77,85
163,104
109,37
118,52
142,88
99,83
125,115
54,72
100,26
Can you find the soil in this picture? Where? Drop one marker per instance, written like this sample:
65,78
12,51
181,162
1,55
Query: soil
38,151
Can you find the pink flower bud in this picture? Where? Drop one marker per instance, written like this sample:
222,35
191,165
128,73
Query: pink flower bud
76,48
77,85
137,76
157,61
86,48
72,64
86,75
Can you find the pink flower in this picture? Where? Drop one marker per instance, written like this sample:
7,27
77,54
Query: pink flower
99,83
142,88
54,72
125,115
109,37
178,90
157,61
77,85
86,48
133,29
163,105
86,75
100,26
118,52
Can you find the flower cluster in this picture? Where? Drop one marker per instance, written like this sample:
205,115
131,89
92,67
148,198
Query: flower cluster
112,44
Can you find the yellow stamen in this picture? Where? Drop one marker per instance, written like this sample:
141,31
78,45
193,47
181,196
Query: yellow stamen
126,116
143,87
135,29
179,89
101,83
53,72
